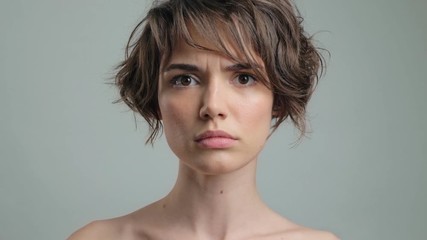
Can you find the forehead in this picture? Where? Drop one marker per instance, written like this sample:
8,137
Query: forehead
224,45
183,53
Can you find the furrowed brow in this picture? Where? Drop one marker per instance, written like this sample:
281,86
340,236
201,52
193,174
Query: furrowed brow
182,66
241,66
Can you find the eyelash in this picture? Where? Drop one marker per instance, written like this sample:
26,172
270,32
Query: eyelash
177,80
251,77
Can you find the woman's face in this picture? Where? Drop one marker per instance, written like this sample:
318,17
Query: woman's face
216,115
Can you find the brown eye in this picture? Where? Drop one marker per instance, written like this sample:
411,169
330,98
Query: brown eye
245,80
186,80
183,81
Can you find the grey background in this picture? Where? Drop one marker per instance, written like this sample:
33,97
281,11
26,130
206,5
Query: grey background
68,156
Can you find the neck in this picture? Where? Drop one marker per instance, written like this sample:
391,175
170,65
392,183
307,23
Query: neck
215,204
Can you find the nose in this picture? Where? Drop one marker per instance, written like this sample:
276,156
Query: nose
213,102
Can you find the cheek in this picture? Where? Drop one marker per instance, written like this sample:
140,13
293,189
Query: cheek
256,112
176,114
178,121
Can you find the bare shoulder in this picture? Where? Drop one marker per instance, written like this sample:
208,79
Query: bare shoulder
308,234
127,227
95,230
111,229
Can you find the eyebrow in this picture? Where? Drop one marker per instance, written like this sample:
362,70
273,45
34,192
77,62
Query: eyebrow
194,68
182,66
242,66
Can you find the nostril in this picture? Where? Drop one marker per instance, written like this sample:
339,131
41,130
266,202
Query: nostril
211,111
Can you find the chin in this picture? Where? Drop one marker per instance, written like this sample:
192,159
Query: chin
217,163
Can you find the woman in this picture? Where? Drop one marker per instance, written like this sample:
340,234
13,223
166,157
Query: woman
218,77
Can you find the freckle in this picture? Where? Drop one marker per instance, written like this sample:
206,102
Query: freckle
164,206
221,192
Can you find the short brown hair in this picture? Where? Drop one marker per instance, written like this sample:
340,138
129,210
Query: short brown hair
272,29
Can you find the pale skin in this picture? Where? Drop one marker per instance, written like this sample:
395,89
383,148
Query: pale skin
215,195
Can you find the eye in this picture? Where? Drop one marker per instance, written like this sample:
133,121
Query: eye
244,79
183,81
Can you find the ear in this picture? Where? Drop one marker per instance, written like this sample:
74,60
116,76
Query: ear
159,115
275,111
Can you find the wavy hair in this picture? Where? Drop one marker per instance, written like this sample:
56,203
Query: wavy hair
268,29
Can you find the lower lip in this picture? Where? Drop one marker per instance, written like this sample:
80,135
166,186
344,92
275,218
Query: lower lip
216,142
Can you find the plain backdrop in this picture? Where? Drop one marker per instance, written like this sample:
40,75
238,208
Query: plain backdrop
69,156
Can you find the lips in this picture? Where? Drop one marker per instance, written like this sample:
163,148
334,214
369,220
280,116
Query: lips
215,140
